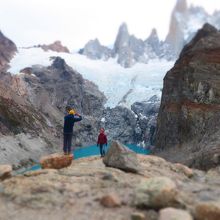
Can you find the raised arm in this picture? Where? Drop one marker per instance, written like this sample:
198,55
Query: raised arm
77,117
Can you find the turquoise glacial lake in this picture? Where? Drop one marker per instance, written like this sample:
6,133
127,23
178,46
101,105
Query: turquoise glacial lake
93,151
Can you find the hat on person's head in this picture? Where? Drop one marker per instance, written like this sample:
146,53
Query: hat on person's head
72,112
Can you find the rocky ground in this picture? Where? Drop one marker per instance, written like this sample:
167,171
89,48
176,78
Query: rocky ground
90,190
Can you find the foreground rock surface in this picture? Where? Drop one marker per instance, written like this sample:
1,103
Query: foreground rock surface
119,156
51,194
56,161
5,171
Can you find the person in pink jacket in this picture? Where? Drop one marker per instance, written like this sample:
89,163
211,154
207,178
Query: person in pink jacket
102,140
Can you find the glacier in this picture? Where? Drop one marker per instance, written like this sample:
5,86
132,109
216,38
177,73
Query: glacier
121,86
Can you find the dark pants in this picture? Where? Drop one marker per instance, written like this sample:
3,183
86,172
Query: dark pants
67,142
102,151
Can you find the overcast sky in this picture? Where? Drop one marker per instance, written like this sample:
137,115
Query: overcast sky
74,22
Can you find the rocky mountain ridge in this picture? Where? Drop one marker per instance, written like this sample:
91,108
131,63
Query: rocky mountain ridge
128,49
56,46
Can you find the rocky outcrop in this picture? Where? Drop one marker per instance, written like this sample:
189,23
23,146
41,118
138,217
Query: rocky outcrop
88,185
146,113
188,121
133,126
119,156
56,161
120,123
7,51
56,46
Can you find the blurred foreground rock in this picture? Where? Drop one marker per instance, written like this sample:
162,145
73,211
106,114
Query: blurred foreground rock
88,189
56,161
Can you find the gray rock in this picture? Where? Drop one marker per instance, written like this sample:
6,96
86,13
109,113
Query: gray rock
156,192
147,112
120,157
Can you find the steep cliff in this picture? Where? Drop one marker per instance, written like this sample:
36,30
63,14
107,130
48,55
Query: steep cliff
189,116
7,50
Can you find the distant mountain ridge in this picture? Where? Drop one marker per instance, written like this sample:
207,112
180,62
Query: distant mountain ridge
129,50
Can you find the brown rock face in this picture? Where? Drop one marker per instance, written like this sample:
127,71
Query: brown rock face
189,116
56,46
56,161
7,50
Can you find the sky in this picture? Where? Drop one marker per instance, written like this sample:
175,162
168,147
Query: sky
75,22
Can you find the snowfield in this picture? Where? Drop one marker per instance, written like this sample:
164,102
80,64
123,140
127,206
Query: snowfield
120,85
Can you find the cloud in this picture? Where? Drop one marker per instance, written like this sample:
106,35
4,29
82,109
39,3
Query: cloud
75,22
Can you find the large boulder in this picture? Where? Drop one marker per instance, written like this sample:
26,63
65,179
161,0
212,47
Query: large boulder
120,157
56,161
